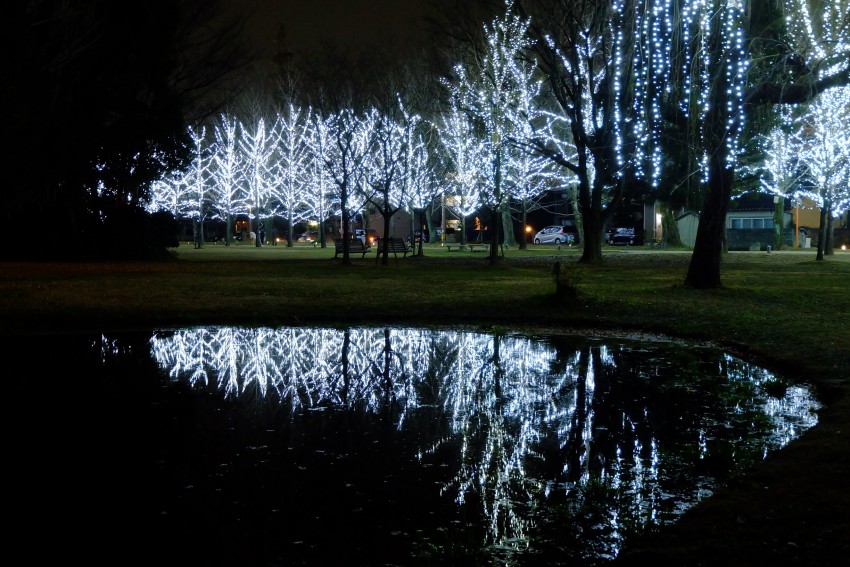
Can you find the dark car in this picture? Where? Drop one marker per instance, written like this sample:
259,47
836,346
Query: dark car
624,236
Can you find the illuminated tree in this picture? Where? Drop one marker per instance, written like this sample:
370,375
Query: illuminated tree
825,138
383,169
168,194
343,161
783,170
489,87
728,60
529,174
461,151
257,146
291,170
320,201
585,50
417,175
201,193
186,193
226,173
529,177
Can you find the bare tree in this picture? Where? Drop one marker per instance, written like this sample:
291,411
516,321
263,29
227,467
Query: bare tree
584,49
344,165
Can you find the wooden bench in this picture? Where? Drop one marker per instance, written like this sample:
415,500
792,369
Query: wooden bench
355,246
395,245
471,247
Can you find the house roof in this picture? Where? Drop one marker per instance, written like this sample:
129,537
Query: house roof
753,201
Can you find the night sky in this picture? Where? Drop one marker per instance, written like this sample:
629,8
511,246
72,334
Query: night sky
348,23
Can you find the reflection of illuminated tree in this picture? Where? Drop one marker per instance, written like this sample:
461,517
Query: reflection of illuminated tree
527,427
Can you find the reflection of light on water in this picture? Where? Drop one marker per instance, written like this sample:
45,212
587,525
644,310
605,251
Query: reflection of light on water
514,407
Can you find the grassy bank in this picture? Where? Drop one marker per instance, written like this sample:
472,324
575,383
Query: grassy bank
783,310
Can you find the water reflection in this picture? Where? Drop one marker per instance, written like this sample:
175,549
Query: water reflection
513,447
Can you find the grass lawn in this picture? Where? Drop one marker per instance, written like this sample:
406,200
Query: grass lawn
782,310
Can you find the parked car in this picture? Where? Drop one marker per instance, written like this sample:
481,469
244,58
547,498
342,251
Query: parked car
555,234
626,236
309,236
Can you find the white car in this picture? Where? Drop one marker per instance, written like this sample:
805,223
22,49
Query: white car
554,234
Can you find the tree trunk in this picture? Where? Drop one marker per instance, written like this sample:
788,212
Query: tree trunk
346,221
704,269
592,225
594,215
197,233
462,240
829,245
670,235
228,238
824,215
386,214
421,250
523,241
509,238
579,218
429,214
778,223
257,223
496,221
496,235
320,238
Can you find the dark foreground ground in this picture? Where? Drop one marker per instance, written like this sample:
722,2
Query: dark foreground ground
783,310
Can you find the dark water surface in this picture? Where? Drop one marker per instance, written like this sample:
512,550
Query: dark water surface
372,446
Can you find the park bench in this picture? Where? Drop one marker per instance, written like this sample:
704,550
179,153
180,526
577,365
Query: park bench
395,245
468,246
355,246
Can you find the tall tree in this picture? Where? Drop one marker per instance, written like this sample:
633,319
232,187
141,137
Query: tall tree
585,49
257,146
344,164
384,167
720,40
489,86
291,169
461,151
320,200
197,180
781,171
825,140
227,173
417,175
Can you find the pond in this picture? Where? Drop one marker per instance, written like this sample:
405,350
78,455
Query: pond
374,446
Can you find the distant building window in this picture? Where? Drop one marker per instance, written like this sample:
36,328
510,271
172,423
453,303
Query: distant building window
755,222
